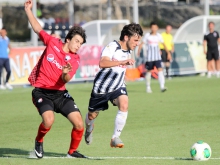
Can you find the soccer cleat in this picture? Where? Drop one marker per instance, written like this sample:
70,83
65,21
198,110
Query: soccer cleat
149,90
39,149
8,86
88,136
76,154
2,87
116,143
164,89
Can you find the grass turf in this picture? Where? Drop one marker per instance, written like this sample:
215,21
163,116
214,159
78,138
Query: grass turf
160,126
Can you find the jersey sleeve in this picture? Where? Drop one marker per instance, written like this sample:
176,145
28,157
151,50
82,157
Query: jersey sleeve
145,38
108,51
45,38
160,38
205,37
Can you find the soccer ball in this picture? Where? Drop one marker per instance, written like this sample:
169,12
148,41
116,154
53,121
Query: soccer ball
200,151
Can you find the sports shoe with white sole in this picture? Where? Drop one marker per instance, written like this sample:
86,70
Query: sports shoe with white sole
164,89
8,86
76,154
2,87
39,151
148,90
88,136
116,143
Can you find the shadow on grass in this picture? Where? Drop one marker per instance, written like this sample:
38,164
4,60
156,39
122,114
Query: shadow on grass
19,153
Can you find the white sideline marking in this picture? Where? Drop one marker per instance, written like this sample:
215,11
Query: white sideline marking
103,158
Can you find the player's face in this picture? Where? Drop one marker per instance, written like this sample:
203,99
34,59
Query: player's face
3,33
211,26
168,29
133,41
75,43
154,28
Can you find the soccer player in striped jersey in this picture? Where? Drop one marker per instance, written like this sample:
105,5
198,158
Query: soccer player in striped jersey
153,59
55,68
109,83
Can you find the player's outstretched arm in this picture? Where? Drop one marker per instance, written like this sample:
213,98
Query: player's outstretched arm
33,21
105,62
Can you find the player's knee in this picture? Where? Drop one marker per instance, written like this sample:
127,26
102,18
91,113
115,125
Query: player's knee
48,121
79,125
124,107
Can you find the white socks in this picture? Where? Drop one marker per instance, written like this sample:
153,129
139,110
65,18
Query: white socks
89,123
161,79
148,78
120,121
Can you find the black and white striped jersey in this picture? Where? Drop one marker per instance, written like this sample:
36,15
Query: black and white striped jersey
152,43
110,79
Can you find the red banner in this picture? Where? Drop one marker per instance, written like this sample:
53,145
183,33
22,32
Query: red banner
22,61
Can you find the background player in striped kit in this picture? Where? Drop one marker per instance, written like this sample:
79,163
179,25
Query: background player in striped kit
109,82
153,59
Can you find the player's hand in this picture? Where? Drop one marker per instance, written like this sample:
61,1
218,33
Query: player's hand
67,68
28,4
128,62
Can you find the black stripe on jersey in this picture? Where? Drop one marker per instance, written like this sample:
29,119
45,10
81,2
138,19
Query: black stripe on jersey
98,75
112,81
122,74
103,80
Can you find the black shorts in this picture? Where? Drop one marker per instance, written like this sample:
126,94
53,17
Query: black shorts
100,101
58,101
212,54
164,56
151,64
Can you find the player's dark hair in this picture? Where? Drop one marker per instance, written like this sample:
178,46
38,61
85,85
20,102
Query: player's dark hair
131,29
168,25
153,23
74,31
3,28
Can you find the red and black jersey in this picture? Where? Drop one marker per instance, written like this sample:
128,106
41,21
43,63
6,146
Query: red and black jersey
48,71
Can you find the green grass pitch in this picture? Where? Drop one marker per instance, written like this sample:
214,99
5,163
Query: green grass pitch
160,129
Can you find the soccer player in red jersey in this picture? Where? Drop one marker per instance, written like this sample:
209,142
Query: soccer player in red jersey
54,69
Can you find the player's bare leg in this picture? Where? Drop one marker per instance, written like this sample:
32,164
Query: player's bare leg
167,66
120,120
210,68
44,127
217,64
76,135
